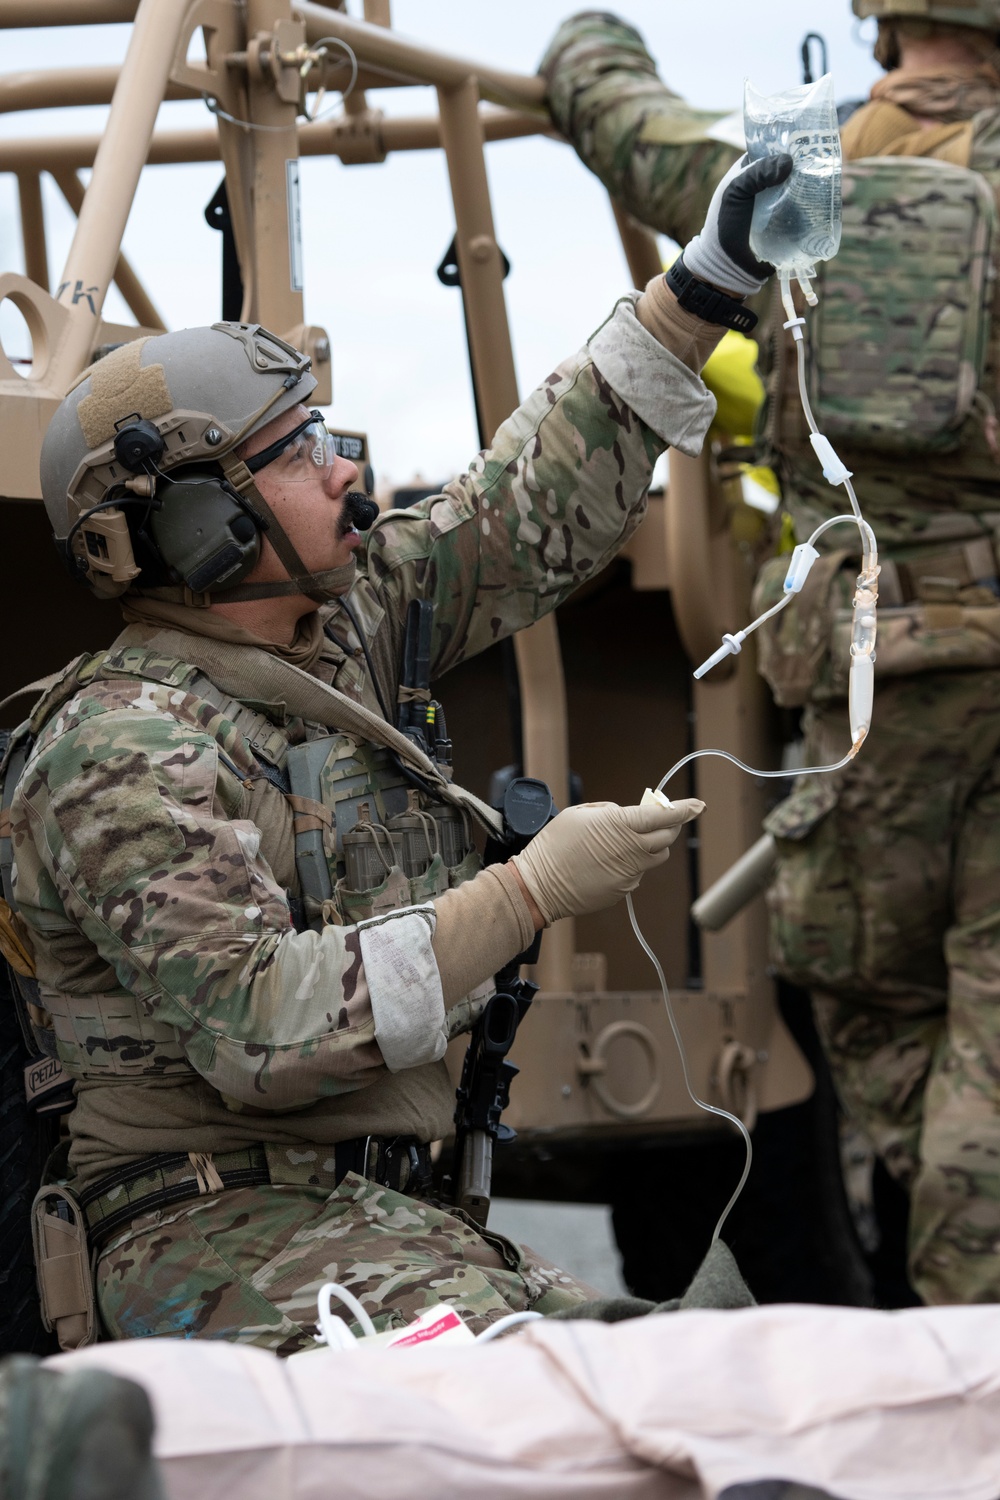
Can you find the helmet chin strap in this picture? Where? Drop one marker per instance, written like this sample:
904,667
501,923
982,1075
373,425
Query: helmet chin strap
320,587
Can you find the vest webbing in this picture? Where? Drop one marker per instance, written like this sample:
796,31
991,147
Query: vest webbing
247,674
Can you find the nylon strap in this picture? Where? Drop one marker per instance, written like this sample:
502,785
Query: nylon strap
246,673
320,587
309,816
40,685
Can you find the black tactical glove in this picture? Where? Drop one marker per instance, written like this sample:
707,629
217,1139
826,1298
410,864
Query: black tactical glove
721,253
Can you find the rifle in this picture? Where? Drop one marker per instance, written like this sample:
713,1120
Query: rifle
484,1090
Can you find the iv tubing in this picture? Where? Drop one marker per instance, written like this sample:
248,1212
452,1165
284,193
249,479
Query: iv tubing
712,1109
867,593
751,770
333,1328
795,324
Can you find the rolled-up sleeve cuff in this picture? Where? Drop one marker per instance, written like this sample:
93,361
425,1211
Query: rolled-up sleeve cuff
404,986
670,398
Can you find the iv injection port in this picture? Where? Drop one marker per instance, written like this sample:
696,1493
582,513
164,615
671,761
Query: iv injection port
801,561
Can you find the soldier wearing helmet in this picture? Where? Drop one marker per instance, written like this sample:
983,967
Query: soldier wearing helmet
251,976
885,901
974,27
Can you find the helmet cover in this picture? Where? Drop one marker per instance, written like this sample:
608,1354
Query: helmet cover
204,389
982,14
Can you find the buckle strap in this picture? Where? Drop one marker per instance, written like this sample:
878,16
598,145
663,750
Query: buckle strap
160,1181
936,568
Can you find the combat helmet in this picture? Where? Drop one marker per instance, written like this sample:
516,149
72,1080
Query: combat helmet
139,470
984,15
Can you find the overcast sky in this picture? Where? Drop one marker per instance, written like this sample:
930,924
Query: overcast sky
374,235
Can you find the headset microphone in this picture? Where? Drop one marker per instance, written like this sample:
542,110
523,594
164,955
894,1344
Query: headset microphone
362,511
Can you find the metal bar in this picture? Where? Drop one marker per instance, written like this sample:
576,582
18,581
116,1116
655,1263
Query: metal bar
36,260
54,88
639,243
272,283
695,590
478,254
378,12
539,661
394,57
21,13
417,133
127,282
120,158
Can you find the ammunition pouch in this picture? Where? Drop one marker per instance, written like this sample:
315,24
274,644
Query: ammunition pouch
62,1266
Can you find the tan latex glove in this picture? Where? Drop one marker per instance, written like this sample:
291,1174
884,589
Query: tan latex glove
590,856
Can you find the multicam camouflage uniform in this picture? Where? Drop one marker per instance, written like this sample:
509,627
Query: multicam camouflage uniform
887,899
154,866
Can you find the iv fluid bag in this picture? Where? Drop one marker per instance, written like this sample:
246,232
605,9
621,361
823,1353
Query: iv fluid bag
798,222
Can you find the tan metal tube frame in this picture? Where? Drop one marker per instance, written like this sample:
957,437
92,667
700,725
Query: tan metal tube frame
336,137
397,60
36,260
25,13
545,747
127,282
54,88
688,500
93,254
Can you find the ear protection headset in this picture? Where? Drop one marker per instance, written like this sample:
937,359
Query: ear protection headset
196,527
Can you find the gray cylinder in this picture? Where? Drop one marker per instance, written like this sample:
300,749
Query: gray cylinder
741,883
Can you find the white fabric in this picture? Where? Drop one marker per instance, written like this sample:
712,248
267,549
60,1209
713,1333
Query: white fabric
659,387
866,1405
404,986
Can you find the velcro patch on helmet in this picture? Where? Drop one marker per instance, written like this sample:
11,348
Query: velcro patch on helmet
119,386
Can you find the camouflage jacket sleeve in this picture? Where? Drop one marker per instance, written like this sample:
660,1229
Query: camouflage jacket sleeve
562,487
648,146
127,830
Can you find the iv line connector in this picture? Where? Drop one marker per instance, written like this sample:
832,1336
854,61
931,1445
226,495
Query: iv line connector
732,645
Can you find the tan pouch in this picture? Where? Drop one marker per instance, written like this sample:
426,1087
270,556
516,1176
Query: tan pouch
62,1265
922,638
